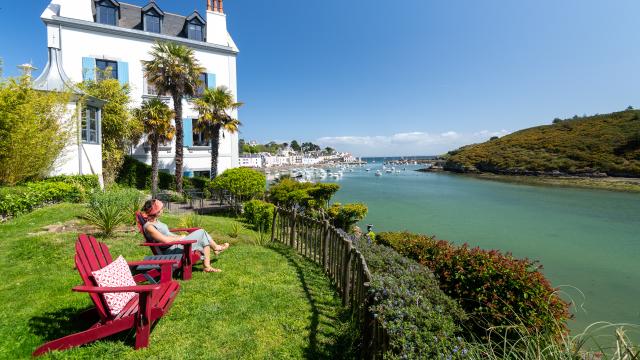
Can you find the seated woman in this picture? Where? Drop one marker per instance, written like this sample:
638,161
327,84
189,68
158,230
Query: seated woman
160,233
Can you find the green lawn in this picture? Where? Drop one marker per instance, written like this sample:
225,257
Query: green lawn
267,303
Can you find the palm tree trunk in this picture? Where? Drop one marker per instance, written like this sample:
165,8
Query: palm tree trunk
177,106
154,166
215,146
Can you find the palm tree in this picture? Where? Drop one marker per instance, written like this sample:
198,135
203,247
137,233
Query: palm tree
174,70
214,107
155,116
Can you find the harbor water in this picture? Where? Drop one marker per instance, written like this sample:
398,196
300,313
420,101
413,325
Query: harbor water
587,240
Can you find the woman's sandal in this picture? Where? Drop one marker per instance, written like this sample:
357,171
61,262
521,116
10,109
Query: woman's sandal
211,270
221,248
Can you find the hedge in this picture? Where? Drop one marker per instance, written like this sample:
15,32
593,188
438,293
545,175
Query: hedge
87,182
22,199
136,174
421,320
494,289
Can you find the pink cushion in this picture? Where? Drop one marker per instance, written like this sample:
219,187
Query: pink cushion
116,274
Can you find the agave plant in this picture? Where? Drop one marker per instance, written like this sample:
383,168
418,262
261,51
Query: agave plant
110,208
261,238
235,230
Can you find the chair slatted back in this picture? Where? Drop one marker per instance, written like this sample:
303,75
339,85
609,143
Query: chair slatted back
91,256
140,221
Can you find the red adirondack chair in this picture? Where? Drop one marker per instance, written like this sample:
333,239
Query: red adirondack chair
149,305
185,261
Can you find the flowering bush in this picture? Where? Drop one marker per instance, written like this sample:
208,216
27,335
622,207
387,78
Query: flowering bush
495,289
422,321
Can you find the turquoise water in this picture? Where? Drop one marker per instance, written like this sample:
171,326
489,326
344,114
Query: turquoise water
587,239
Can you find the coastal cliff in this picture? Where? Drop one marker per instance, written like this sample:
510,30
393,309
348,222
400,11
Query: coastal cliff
594,146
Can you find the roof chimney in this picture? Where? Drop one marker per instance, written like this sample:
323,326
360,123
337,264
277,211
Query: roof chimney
215,6
216,23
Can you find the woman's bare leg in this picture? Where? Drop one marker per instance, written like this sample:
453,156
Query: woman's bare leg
207,260
207,256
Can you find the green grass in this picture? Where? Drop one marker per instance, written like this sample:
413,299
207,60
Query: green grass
267,303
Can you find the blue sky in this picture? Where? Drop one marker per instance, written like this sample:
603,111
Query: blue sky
405,77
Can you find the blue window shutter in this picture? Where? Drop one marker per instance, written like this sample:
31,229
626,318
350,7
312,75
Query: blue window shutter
187,125
211,81
88,69
123,72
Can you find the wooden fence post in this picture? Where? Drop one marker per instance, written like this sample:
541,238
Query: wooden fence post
292,240
346,273
325,245
273,224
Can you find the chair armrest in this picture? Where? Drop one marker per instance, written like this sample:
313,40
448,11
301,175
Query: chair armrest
187,230
103,289
151,262
177,242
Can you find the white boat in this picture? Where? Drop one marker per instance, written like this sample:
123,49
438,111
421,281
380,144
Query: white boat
378,173
367,170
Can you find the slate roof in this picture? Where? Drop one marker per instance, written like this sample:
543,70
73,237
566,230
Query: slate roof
131,18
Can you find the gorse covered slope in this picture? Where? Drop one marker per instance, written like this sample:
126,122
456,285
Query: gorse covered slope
595,145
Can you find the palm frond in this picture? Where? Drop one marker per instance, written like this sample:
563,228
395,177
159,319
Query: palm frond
173,69
155,117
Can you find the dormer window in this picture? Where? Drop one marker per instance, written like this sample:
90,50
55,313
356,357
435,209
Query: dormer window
107,12
195,27
195,31
152,22
152,18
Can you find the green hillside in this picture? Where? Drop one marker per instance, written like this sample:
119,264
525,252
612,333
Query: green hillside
592,146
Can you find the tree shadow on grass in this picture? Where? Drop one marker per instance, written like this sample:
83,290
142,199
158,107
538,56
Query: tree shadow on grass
341,341
56,324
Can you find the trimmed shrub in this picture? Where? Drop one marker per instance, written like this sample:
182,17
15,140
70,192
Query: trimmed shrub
347,215
111,208
495,289
421,320
259,214
308,198
22,199
243,183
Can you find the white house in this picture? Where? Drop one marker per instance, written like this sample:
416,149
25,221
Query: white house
83,153
93,35
252,161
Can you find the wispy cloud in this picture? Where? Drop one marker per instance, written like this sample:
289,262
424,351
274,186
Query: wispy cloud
409,143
